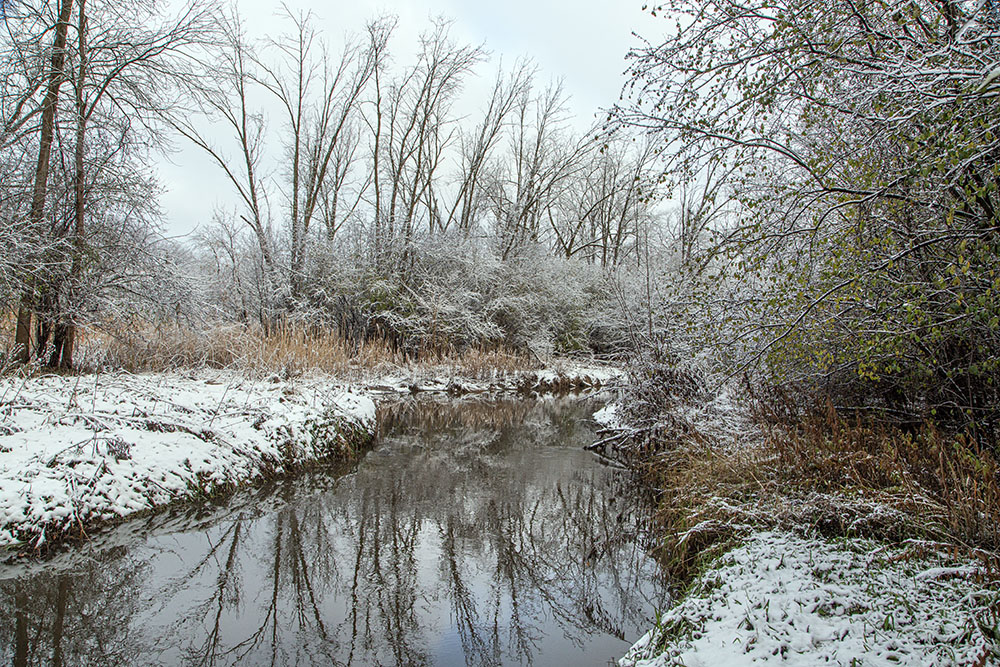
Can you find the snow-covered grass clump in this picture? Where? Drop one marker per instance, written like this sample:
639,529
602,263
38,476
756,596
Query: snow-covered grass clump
79,451
803,601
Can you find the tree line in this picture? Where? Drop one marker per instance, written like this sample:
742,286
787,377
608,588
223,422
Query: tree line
367,196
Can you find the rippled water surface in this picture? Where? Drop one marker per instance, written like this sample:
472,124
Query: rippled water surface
473,533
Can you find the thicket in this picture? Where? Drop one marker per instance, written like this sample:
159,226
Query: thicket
826,354
847,162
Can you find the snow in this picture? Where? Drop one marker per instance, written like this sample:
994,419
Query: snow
561,375
75,451
610,417
806,601
596,374
82,450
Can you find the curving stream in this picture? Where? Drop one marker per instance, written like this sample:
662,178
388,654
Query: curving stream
474,533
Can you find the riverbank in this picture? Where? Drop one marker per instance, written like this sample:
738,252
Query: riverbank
566,376
80,452
798,600
816,541
77,452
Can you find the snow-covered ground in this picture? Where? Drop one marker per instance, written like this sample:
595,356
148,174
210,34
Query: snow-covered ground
610,417
75,451
804,601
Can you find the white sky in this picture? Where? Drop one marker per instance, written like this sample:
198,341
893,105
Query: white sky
582,42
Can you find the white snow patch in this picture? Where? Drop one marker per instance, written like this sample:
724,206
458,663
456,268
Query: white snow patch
803,601
591,373
610,417
74,450
436,379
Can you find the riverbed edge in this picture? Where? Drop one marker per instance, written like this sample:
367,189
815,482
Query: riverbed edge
804,599
80,453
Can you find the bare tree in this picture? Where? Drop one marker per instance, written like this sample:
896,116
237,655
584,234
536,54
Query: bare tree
55,79
477,148
123,79
530,178
319,96
230,101
320,131
119,72
411,129
607,202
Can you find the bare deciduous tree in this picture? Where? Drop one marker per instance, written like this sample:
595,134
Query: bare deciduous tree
55,78
412,128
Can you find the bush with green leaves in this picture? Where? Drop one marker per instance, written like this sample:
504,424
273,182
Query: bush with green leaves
862,146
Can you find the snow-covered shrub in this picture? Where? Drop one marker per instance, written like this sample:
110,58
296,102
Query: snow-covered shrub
455,293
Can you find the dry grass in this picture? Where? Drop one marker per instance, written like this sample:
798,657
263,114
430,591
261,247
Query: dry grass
287,349
947,484
835,477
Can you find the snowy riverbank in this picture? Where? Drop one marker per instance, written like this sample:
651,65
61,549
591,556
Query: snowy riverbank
806,601
561,376
782,593
79,451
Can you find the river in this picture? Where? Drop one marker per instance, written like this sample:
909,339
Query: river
473,533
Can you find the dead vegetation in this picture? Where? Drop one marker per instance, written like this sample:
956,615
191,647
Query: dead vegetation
823,474
288,349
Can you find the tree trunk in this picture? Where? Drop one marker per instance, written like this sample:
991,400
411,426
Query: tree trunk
65,332
62,345
22,334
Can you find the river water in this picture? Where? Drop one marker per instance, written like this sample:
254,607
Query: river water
474,533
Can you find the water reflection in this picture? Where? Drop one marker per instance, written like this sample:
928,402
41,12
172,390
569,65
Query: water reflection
477,533
82,618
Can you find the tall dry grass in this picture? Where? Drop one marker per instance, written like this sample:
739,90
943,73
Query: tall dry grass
947,484
289,348
830,475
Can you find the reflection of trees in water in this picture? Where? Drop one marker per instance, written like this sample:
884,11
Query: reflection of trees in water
564,554
271,567
460,523
515,552
82,618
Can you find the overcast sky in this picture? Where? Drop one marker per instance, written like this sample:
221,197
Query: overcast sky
582,42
